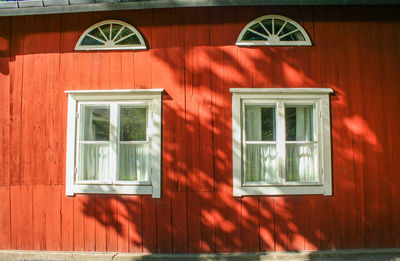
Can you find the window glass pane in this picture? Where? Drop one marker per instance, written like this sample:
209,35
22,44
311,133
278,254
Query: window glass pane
125,32
130,40
133,123
301,162
268,25
96,32
261,163
299,123
90,41
133,162
278,23
260,123
93,163
106,30
258,28
296,36
115,30
252,36
287,29
95,123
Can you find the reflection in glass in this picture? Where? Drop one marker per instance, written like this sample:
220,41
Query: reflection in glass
260,123
91,41
133,123
133,39
95,123
299,123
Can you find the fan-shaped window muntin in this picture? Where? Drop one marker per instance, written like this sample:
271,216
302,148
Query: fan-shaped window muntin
111,35
273,30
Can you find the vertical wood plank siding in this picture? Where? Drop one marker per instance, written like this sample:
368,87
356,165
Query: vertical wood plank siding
192,55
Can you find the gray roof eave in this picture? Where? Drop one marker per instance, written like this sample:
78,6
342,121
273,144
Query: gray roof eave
16,8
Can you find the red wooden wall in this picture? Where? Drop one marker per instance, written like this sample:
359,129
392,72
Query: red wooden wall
192,55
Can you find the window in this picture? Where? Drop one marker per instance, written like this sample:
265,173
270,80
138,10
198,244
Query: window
281,141
114,142
273,30
111,35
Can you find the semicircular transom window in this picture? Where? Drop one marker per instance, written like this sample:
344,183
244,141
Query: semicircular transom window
273,30
111,35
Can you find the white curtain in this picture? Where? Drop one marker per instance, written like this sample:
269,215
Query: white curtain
93,162
253,123
261,160
261,163
301,164
133,162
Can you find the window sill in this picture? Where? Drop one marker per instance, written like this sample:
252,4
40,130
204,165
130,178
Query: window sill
110,189
282,190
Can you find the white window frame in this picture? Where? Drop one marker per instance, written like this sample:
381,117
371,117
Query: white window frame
110,44
274,40
152,99
318,97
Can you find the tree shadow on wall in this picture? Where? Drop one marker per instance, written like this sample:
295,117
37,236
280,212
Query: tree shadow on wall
195,60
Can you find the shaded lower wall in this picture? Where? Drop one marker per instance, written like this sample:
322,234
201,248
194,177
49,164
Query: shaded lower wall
192,55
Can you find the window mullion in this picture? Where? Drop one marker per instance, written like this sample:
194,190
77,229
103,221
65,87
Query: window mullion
243,130
149,135
317,118
113,142
280,124
77,144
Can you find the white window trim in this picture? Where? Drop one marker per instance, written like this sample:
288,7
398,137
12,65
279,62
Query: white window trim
110,45
321,98
271,42
154,98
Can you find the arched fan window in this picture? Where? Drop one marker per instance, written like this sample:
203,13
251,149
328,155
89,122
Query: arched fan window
273,30
111,35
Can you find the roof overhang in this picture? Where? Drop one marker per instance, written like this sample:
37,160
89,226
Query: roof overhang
37,7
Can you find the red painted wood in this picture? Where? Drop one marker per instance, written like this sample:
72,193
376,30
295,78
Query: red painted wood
53,148
5,105
164,224
113,224
79,223
295,223
168,56
26,216
134,207
149,212
267,225
250,225
67,221
123,219
193,57
312,228
281,224
15,217
89,209
198,102
39,216
5,218
142,60
165,216
16,76
207,222
179,223
102,209
46,217
194,222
